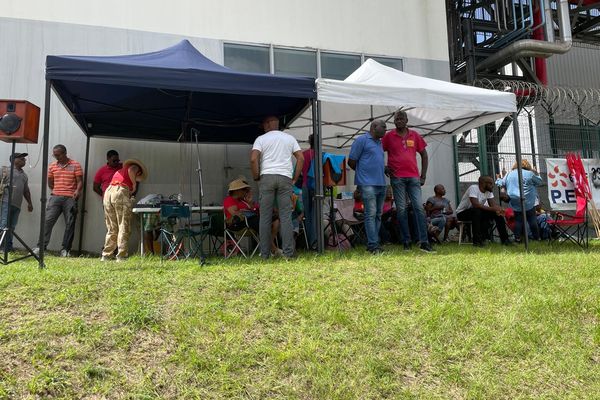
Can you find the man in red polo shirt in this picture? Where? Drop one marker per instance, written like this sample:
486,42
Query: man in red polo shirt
105,173
402,145
65,179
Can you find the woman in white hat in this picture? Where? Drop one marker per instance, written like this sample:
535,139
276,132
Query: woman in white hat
117,207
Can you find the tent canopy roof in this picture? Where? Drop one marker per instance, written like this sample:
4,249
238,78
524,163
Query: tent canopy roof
433,106
159,95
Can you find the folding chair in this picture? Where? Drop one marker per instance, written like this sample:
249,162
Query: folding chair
233,240
345,213
573,228
216,234
178,240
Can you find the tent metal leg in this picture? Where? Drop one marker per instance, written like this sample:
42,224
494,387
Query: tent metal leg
84,194
44,189
520,174
318,160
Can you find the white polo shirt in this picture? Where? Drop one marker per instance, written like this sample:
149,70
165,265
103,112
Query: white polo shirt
277,150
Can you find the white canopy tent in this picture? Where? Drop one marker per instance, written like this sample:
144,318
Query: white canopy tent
375,91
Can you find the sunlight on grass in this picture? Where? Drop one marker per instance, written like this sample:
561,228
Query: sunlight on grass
463,323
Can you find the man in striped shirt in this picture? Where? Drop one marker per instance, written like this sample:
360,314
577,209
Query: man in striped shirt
65,179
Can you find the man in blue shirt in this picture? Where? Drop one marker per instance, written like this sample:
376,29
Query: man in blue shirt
366,158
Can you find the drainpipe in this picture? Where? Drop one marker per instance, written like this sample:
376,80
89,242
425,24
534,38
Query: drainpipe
533,48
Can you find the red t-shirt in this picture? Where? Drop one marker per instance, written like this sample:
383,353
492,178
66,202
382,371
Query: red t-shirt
121,178
402,153
230,201
104,176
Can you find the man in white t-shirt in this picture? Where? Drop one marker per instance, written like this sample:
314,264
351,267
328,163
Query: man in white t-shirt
478,206
276,162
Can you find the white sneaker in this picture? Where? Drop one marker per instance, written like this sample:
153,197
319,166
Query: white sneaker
104,258
121,259
65,253
36,251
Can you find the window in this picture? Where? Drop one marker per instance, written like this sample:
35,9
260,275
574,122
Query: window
246,58
295,62
338,66
388,61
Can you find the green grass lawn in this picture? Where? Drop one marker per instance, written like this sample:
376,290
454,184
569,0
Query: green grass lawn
462,323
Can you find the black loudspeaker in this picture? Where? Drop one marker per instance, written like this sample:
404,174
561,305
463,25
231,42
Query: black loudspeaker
19,121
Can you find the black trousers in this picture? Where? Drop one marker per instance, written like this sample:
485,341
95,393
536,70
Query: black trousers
481,222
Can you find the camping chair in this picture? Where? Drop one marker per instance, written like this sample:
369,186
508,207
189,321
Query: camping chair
233,240
572,228
216,234
345,214
178,237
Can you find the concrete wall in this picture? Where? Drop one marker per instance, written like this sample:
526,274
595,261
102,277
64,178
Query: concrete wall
171,166
407,28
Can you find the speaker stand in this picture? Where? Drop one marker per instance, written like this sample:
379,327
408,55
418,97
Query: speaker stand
6,231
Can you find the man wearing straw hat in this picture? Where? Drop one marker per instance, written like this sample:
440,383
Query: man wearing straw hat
274,158
117,204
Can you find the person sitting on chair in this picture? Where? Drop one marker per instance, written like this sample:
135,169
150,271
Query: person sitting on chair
439,211
478,207
531,179
241,212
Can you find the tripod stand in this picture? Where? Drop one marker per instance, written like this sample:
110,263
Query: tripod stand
331,224
8,230
201,195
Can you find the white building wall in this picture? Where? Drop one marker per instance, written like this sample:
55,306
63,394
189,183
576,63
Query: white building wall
171,166
407,28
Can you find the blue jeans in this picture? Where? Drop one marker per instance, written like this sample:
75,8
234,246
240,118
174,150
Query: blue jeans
373,197
309,215
440,222
533,232
14,217
411,187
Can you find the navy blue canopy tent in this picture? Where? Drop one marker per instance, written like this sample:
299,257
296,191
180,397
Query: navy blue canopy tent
148,96
166,95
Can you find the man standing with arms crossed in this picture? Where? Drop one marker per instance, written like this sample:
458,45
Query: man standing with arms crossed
367,159
276,162
402,145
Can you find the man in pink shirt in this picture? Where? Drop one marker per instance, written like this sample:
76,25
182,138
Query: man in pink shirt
105,173
402,145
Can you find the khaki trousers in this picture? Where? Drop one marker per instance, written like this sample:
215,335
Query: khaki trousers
117,216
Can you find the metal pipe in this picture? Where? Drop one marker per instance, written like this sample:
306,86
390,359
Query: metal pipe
84,194
534,48
318,171
517,137
44,188
549,21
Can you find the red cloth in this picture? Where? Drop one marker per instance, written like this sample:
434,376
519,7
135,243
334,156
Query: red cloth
402,153
104,176
121,178
358,206
308,154
230,201
387,206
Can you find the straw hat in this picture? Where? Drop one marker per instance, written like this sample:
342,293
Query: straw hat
140,164
239,183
